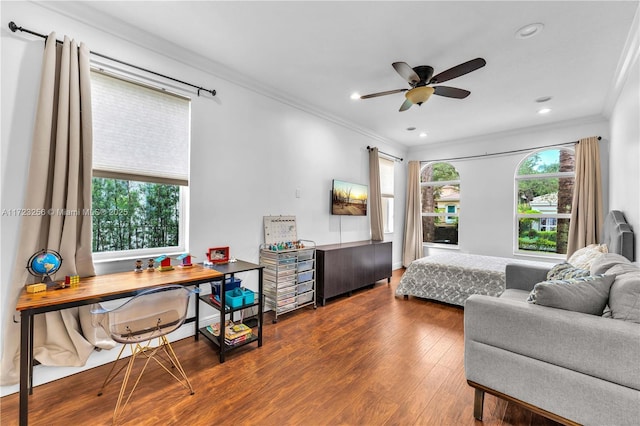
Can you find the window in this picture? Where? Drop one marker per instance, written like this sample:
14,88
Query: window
440,190
544,192
386,192
140,167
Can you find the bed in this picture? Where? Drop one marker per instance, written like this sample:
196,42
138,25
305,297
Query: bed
453,277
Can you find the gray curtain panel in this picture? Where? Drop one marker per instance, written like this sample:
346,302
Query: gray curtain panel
412,248
586,212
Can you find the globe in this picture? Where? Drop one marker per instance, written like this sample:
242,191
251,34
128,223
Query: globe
44,263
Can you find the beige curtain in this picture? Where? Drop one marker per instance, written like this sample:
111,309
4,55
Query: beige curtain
375,197
586,211
412,249
59,181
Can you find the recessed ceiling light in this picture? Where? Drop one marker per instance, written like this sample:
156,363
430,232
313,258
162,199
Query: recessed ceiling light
543,99
411,129
423,134
529,30
544,111
355,95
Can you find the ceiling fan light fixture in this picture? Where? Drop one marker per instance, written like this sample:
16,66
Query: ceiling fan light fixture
419,95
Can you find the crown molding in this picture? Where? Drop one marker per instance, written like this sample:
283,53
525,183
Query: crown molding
628,59
85,14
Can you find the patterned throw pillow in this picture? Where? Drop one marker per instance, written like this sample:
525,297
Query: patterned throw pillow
565,270
588,295
583,257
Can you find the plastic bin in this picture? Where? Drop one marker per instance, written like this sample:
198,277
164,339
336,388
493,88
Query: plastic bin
234,299
305,298
305,266
304,287
305,255
228,285
249,297
305,276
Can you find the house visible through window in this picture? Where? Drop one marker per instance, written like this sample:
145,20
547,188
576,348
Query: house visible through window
544,192
140,167
386,192
440,190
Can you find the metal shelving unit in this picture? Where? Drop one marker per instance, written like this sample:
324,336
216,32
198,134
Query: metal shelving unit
289,266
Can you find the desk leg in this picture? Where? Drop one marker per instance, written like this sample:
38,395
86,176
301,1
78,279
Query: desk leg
26,326
197,333
260,306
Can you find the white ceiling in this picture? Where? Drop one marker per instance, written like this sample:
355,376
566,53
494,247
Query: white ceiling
316,54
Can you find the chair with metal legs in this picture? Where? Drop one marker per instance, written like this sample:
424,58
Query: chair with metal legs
144,319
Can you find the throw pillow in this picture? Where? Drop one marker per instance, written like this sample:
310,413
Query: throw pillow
583,257
565,270
624,296
588,295
603,263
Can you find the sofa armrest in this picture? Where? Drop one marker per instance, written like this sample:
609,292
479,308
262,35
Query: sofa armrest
524,277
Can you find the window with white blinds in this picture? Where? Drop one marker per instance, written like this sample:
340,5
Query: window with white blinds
139,132
386,192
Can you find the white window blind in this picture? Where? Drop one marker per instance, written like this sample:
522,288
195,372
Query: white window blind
386,177
150,141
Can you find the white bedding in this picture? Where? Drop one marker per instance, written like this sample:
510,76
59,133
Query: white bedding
453,277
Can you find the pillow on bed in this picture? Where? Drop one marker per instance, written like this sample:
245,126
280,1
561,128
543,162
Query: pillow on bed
624,297
583,257
588,295
565,270
605,262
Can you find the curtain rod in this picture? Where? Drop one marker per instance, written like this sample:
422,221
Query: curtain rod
13,27
384,153
504,152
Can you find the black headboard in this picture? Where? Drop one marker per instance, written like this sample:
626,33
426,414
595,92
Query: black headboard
618,235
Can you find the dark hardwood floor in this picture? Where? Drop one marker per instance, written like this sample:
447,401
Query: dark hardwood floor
367,359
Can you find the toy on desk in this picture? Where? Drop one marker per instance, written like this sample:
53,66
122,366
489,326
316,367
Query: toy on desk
185,260
72,281
165,263
218,255
138,266
286,245
150,265
36,288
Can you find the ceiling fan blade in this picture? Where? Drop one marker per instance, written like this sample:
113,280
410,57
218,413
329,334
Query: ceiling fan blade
388,92
406,72
458,70
451,92
405,105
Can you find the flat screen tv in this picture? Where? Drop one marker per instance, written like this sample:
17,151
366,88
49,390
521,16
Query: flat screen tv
349,198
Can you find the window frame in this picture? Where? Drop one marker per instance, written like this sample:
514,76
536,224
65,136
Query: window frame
444,215
387,199
183,203
517,215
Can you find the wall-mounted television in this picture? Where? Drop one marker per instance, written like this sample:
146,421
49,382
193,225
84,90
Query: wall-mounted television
349,198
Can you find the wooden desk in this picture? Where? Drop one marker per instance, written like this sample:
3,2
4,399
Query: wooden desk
91,290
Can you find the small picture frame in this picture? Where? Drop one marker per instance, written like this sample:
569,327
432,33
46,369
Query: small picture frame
218,255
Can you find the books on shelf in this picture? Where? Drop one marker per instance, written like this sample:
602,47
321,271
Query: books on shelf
236,333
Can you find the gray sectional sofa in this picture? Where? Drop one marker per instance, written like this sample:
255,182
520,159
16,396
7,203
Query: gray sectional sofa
570,366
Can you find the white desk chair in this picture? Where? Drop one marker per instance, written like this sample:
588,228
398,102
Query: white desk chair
150,315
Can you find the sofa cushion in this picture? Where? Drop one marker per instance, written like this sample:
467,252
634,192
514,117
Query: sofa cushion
565,270
588,295
605,262
583,257
624,296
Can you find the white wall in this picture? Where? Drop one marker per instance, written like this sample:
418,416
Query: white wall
249,153
624,185
487,187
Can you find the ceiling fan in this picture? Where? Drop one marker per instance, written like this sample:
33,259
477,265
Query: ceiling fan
421,77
